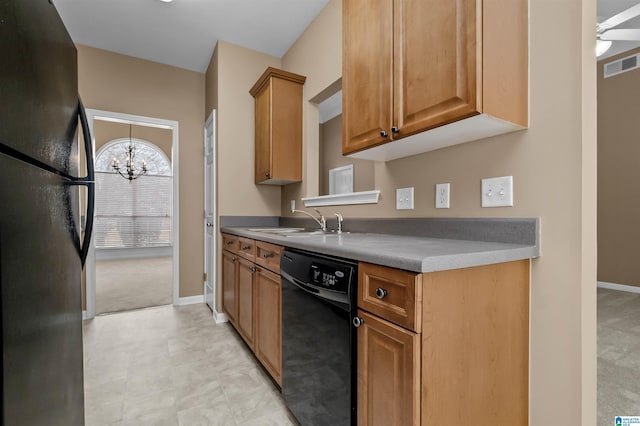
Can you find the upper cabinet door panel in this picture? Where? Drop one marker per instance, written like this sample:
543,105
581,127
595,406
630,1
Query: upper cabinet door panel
367,74
437,57
263,135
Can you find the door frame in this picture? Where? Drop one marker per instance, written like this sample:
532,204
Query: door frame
90,282
211,190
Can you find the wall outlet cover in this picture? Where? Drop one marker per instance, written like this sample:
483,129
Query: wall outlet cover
442,195
497,192
293,205
404,198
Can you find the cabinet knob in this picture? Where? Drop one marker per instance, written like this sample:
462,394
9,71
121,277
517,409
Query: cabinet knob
245,247
381,293
395,129
384,134
266,255
267,174
357,322
228,242
233,259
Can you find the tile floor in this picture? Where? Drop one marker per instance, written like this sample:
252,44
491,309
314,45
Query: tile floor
174,366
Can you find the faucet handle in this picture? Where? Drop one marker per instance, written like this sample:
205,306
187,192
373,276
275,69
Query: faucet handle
340,219
323,221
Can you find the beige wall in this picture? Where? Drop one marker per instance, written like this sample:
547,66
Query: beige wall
331,156
618,175
232,71
106,131
554,170
238,69
113,82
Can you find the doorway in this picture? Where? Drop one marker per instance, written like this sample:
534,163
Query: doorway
133,260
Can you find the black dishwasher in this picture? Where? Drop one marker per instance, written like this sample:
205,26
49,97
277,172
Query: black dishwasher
318,341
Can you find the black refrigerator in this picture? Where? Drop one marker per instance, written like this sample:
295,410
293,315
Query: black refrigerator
43,242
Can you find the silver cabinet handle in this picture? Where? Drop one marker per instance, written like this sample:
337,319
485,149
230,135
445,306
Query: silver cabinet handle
383,133
209,225
266,255
245,247
267,174
357,322
395,129
381,293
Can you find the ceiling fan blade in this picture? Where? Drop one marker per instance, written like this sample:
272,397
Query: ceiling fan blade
632,34
618,19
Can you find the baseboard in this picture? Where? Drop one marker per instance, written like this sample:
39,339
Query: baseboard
191,300
219,317
619,287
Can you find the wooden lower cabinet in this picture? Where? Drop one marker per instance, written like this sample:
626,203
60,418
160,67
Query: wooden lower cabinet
229,290
268,314
251,298
469,364
388,374
246,279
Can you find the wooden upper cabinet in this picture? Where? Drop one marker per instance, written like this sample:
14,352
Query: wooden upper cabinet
436,56
367,77
278,127
414,66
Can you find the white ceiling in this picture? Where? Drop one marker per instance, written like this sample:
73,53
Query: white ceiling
608,8
183,33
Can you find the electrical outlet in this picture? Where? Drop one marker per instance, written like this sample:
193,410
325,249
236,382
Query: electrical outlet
442,195
293,205
497,192
404,198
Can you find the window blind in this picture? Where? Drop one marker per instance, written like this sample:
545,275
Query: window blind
133,214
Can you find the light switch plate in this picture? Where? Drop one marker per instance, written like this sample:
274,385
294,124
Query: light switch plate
404,198
497,192
442,195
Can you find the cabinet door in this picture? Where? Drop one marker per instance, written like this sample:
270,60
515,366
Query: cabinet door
388,374
367,73
245,300
229,265
268,347
437,63
263,135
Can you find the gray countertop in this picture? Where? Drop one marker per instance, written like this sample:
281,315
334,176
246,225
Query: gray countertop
418,254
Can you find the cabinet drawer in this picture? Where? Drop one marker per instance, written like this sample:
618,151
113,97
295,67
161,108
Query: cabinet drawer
247,248
230,242
392,294
268,256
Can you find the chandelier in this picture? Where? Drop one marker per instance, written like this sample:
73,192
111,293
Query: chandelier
131,171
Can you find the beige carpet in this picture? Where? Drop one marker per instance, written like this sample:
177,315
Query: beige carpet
618,355
126,284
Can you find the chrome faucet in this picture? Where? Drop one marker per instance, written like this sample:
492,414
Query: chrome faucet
320,219
340,220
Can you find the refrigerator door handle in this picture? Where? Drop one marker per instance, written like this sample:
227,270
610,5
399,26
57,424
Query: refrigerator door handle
88,148
88,181
88,230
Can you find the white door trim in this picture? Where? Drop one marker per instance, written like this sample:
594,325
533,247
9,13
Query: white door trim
210,193
139,120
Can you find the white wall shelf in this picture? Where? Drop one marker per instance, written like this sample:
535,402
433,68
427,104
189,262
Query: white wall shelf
364,197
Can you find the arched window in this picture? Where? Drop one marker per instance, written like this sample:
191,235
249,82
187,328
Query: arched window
137,213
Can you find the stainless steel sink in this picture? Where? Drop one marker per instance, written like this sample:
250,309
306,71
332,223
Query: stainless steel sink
295,232
278,230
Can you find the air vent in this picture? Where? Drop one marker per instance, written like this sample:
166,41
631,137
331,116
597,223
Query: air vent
621,65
